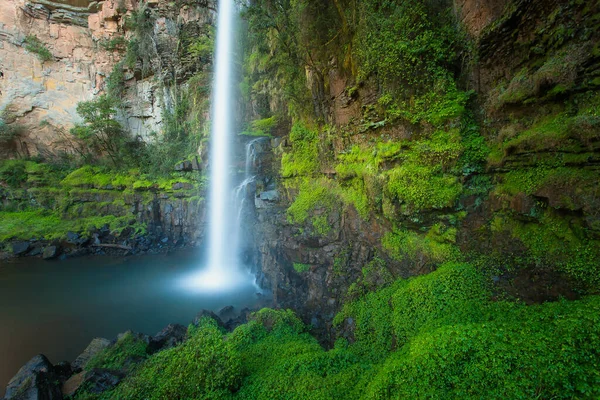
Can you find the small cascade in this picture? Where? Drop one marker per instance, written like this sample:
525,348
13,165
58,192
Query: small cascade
244,189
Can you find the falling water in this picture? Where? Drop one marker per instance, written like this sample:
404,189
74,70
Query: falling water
219,217
223,269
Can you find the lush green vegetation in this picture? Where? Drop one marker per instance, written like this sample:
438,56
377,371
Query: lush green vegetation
437,336
48,201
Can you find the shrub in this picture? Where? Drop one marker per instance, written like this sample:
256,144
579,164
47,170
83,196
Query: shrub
35,46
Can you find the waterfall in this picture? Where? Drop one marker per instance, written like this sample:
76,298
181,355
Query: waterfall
219,217
223,268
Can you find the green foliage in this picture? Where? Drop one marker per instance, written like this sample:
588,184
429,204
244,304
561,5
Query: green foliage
115,83
421,187
9,132
52,225
13,173
34,45
101,133
128,349
140,47
117,43
261,127
184,127
321,225
437,335
553,241
285,39
303,159
411,48
313,195
437,245
202,47
301,268
204,367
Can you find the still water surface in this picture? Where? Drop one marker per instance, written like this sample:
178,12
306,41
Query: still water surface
57,307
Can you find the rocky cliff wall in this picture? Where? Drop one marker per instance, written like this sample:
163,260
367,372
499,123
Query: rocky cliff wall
39,93
527,214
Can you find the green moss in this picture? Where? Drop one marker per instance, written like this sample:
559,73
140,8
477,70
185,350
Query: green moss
205,367
312,195
261,127
437,245
553,241
303,159
437,335
51,225
301,268
422,187
127,349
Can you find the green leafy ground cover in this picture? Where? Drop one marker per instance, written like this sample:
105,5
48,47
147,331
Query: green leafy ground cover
435,336
44,201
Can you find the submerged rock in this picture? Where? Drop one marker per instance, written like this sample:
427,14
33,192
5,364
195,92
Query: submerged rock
35,380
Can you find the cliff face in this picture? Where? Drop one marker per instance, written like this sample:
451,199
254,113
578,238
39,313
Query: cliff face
527,214
55,55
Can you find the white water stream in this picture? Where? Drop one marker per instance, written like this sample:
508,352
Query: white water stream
223,269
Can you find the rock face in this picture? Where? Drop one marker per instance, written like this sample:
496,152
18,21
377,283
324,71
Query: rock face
540,175
40,97
95,346
36,380
170,336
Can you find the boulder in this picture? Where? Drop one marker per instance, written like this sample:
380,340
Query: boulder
96,380
35,380
170,336
50,252
270,195
20,248
95,346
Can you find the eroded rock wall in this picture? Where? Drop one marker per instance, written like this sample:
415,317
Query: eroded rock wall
531,211
41,96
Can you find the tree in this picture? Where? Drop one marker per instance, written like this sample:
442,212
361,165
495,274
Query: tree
101,133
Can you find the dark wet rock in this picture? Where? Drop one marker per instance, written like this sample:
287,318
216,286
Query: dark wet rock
238,320
96,380
95,346
36,251
35,380
184,166
20,248
72,237
50,252
182,185
170,336
226,311
63,371
136,336
208,314
196,164
270,195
